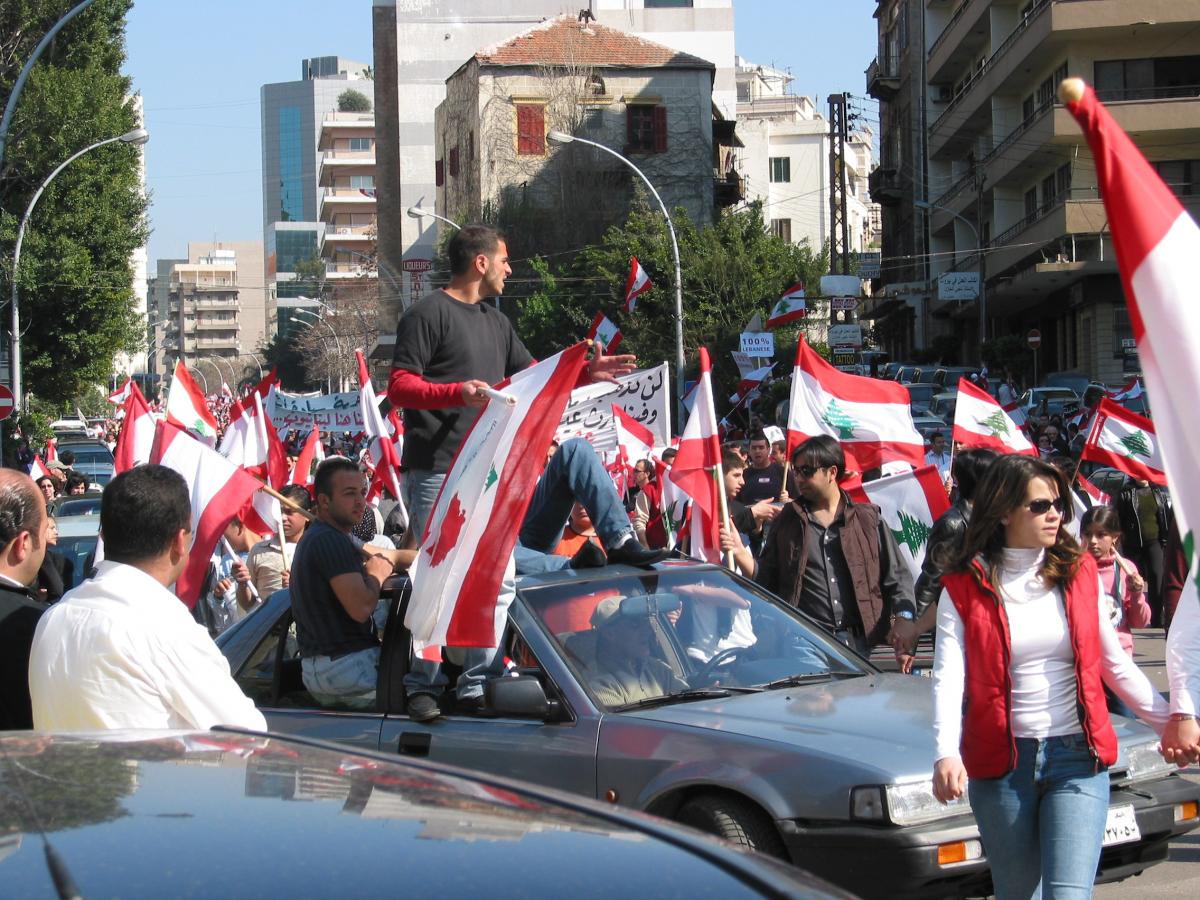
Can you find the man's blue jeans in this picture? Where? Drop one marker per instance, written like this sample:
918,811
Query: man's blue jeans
1042,824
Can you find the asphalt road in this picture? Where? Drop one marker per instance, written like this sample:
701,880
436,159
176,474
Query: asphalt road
1179,876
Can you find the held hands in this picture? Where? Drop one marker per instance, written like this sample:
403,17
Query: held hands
1181,742
609,368
903,636
472,393
949,779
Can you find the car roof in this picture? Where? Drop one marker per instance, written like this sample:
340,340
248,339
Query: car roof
165,813
78,526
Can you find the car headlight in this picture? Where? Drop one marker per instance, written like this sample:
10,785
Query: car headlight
913,803
1146,763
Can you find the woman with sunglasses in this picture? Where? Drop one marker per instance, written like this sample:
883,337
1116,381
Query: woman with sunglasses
1023,654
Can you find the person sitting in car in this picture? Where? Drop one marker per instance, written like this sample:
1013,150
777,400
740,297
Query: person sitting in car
627,669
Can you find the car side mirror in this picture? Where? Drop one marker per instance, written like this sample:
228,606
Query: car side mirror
520,696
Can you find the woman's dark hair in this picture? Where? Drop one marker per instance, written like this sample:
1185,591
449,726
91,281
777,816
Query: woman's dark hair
969,466
469,242
141,511
299,495
1000,493
1101,518
821,451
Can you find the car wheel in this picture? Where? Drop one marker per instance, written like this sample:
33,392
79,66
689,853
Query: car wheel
735,820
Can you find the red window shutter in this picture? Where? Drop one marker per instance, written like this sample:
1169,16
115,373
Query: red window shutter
439,173
631,135
531,129
454,162
660,129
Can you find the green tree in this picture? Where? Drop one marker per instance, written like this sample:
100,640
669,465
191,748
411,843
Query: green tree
351,100
75,278
289,363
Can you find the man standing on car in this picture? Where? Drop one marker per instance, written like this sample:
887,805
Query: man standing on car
121,650
837,560
451,347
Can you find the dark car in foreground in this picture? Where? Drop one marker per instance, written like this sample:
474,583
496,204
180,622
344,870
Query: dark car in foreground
769,733
226,813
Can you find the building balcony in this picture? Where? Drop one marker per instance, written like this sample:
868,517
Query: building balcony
345,199
728,189
883,80
217,326
344,270
1046,228
963,39
885,186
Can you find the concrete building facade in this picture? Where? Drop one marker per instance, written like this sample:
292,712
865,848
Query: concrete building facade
419,46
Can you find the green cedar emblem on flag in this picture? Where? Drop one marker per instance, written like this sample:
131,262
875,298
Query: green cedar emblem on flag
492,478
1136,444
912,533
997,423
836,417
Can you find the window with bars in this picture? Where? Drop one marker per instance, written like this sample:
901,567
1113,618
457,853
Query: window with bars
531,129
645,128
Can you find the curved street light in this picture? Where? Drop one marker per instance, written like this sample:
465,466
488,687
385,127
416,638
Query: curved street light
417,212
137,136
194,367
924,204
336,342
560,137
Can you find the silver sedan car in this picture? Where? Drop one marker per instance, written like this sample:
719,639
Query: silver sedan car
688,692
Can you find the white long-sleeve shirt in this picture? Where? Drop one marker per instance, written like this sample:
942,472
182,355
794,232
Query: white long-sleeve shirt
1042,663
121,651
1183,655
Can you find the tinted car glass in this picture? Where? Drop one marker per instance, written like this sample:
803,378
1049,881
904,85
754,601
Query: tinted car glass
89,453
921,394
87,506
725,636
80,550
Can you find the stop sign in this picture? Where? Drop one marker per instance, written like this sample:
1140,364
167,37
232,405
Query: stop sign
6,403
1034,338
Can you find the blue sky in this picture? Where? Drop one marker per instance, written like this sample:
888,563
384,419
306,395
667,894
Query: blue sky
199,69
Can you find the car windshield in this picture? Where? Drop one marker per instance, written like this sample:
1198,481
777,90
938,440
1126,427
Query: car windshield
89,506
91,454
681,634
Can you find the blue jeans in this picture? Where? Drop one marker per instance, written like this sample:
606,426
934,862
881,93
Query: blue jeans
349,680
1042,824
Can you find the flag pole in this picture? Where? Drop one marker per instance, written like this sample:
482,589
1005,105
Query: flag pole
723,503
227,548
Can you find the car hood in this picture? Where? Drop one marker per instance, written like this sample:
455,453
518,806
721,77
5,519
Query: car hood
883,722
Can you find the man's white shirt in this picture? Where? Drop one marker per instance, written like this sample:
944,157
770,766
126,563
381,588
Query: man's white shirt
941,460
121,651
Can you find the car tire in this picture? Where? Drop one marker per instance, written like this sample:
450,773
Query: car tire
734,819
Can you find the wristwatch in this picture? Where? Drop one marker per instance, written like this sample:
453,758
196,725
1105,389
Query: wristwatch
904,614
1182,717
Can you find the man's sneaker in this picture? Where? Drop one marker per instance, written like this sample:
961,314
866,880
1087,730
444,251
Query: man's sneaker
423,708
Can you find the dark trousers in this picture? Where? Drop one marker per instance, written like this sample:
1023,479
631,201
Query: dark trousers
1150,563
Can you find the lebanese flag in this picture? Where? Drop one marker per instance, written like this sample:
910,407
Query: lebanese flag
1014,412
1126,441
252,442
135,441
672,501
697,465
636,284
219,490
791,306
37,468
605,332
870,417
1131,391
302,472
52,443
468,543
635,440
750,383
121,394
979,421
379,435
187,408
909,503
1099,498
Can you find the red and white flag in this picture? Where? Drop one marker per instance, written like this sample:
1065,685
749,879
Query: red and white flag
225,390
1125,441
188,409
750,384
634,440
636,284
980,421
219,490
909,503
37,468
791,306
468,543
135,440
1016,413
871,418
52,448
311,452
121,394
1099,498
379,436
1131,391
603,331
252,442
696,467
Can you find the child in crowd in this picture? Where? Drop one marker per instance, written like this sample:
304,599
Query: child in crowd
1124,588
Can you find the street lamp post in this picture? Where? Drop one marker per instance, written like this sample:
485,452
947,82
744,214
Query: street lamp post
417,212
923,204
336,341
560,137
137,136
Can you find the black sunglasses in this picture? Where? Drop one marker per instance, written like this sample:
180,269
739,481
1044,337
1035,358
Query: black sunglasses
1041,507
809,471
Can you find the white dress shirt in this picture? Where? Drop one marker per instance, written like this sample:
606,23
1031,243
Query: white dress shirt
121,651
1183,654
1041,661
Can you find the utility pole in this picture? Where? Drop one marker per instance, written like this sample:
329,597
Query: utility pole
982,247
839,226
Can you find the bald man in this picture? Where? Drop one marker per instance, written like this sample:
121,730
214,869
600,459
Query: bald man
23,524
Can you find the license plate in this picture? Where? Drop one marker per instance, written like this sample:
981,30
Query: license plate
1121,826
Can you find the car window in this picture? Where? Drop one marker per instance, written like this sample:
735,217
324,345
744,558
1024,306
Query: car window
666,633
81,551
88,507
257,677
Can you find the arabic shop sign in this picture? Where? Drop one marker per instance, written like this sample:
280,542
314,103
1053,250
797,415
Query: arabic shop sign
643,394
958,286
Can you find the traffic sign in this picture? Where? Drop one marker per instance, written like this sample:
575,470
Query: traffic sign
6,403
1034,339
843,304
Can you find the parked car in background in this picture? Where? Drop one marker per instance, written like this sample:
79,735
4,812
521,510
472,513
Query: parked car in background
920,396
908,374
775,734
869,358
928,425
1050,401
78,537
948,376
1108,480
76,504
892,369
942,405
1074,381
93,459
230,813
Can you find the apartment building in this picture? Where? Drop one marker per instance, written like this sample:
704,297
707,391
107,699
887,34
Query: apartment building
1008,169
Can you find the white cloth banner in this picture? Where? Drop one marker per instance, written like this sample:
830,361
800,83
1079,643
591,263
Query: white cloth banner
331,412
645,395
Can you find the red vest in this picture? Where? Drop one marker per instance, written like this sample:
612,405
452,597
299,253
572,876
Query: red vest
987,745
